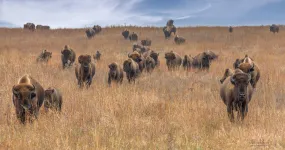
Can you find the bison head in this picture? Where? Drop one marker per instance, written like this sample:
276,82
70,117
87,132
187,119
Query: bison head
113,69
240,82
84,60
154,55
24,96
170,56
136,56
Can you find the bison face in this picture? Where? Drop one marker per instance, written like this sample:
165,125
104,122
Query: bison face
170,56
154,56
135,56
24,97
84,60
66,53
240,82
113,69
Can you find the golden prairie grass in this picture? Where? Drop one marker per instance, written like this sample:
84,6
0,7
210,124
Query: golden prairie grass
164,110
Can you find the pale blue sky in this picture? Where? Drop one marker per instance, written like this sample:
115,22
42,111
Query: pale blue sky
81,13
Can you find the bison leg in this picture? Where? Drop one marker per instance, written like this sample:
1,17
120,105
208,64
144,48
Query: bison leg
230,112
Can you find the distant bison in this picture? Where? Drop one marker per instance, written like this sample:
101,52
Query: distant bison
28,97
139,48
248,66
173,60
236,93
97,28
179,40
68,56
85,71
231,29
42,27
132,69
90,33
187,62
168,30
53,99
97,56
154,55
228,73
30,26
202,61
149,64
126,33
115,74
146,42
274,28
45,56
133,37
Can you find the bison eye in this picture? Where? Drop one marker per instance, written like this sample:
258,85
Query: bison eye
32,95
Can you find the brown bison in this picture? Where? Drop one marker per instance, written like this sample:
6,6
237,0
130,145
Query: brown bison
137,57
133,37
236,93
168,30
228,73
146,42
187,62
179,40
45,56
42,27
97,56
173,60
97,28
28,97
154,55
53,99
126,33
248,66
132,69
68,56
274,28
149,64
202,61
139,48
30,26
231,29
212,55
85,71
116,73
90,33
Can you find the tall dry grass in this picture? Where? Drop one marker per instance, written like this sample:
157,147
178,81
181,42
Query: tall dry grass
164,110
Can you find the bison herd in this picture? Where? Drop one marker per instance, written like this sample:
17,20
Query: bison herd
237,84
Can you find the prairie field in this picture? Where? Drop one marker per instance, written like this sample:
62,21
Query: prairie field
163,110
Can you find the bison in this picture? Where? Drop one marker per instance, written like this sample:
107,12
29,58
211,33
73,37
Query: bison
173,60
168,30
45,56
68,56
202,61
28,97
90,33
115,74
42,27
236,93
228,73
179,40
133,37
187,62
132,70
274,28
154,55
231,29
126,33
170,22
97,28
85,71
212,55
149,64
53,99
137,57
97,56
248,66
30,26
146,42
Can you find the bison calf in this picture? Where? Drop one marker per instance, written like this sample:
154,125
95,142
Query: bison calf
236,93
115,73
53,99
28,97
97,56
85,71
